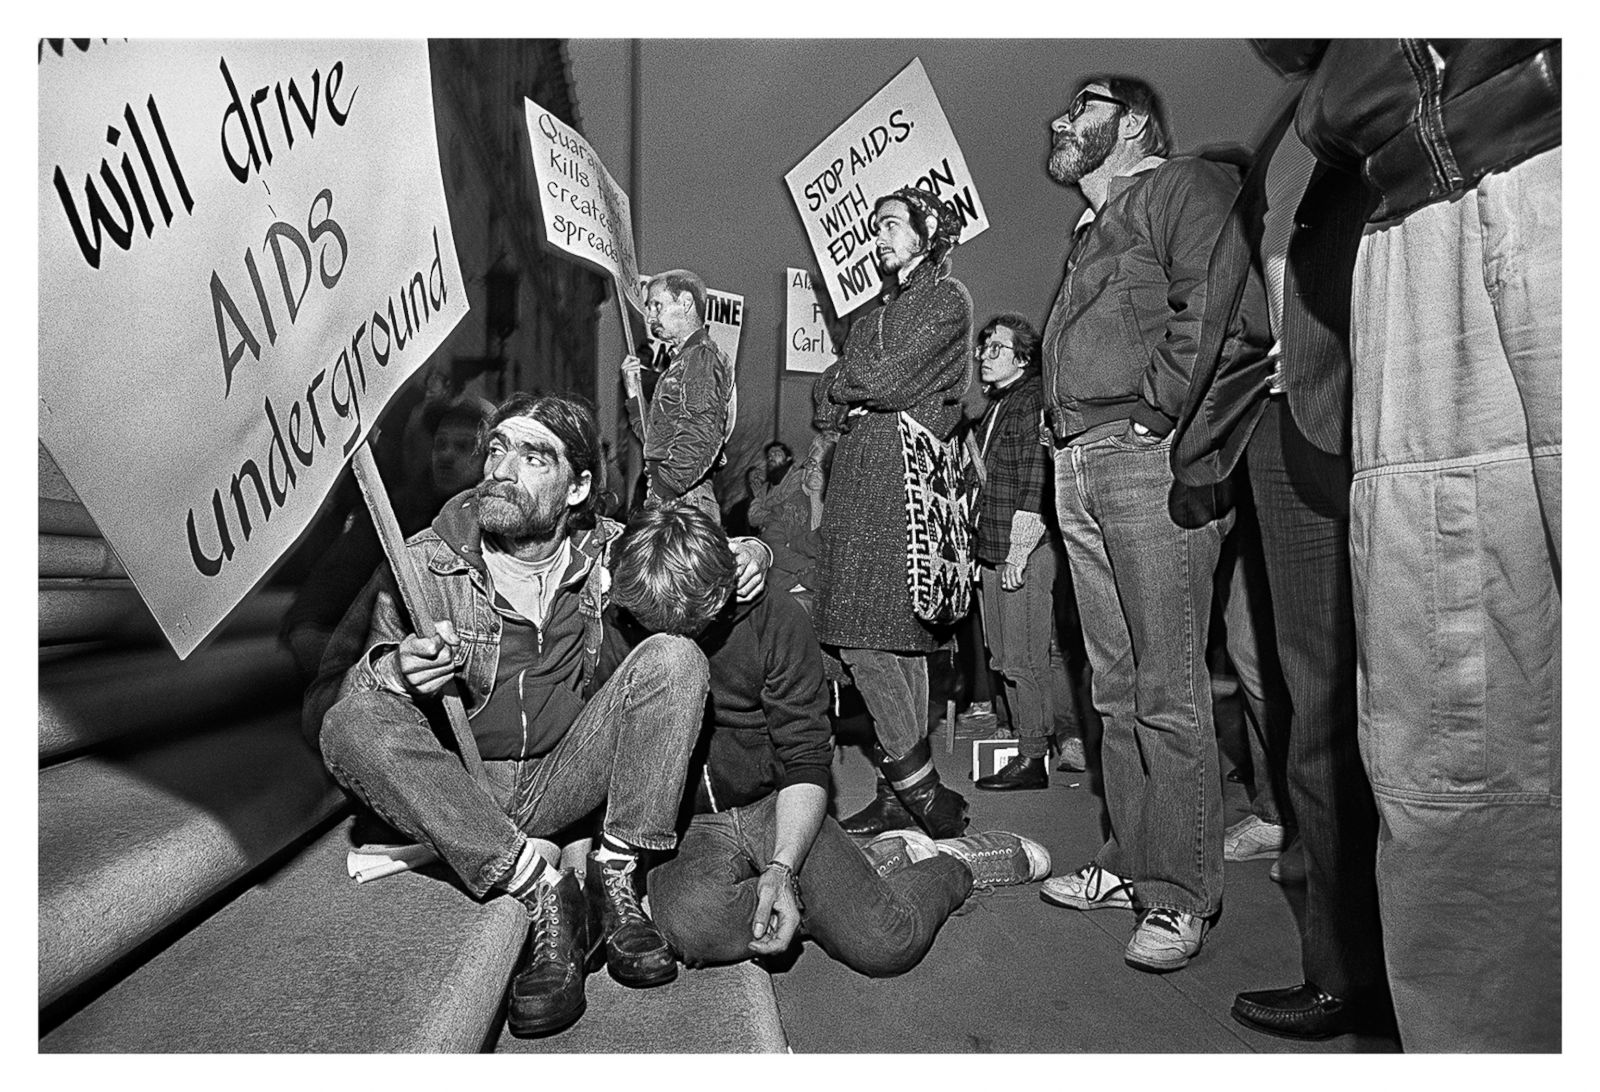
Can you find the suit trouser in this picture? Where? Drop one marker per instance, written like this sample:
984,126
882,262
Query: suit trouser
1455,533
1302,500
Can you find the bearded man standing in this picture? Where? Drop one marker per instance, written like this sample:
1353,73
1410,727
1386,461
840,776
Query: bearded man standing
1119,349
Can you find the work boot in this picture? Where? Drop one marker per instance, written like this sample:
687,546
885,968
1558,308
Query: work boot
939,811
620,933
547,989
884,813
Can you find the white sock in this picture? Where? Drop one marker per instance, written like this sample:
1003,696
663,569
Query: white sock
535,865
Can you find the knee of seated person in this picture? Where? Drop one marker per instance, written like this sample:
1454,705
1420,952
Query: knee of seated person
883,960
699,918
352,723
671,655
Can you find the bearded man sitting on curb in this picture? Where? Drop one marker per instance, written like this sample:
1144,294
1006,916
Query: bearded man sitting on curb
761,862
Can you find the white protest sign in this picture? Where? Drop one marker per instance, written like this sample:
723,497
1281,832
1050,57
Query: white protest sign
724,320
808,345
583,211
899,138
239,263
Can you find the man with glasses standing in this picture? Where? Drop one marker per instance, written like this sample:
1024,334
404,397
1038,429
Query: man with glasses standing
1017,565
1118,351
695,401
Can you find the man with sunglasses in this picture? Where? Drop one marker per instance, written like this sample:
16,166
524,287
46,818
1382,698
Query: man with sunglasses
1118,351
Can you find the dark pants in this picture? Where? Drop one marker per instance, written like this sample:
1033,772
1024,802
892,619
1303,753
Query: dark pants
703,899
628,749
1302,500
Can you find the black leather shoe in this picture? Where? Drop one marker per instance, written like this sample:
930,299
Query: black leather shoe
547,990
1305,1011
1020,773
633,949
937,809
884,813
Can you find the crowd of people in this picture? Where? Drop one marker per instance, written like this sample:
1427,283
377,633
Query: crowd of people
1302,407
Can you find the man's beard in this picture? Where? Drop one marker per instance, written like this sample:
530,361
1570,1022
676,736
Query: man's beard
1073,156
509,511
775,473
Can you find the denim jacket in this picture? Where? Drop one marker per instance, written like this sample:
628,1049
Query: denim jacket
448,556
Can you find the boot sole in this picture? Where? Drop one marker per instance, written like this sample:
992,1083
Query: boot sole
533,1029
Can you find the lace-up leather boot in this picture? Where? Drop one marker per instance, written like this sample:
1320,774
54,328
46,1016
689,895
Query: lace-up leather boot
547,990
620,933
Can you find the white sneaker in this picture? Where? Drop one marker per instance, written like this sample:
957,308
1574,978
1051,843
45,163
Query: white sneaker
1252,838
1072,757
1089,888
1164,940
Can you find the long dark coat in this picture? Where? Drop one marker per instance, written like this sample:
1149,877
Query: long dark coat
911,352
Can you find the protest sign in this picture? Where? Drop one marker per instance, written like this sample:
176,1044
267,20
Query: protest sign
724,321
899,138
238,266
583,212
808,345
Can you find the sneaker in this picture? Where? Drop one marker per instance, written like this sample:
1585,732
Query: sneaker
998,858
1089,888
1252,838
1164,940
1072,758
896,850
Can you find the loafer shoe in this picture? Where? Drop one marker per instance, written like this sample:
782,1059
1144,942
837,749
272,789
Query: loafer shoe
1020,773
1305,1011
997,858
1089,888
1164,940
1252,838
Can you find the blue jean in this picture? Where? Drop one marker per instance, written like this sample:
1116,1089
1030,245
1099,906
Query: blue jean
703,899
1018,625
628,749
1455,541
894,688
1143,551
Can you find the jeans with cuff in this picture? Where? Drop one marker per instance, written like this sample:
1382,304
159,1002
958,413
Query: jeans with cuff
628,749
1018,625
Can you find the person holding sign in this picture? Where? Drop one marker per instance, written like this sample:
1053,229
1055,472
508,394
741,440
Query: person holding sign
1119,348
515,571
912,353
691,415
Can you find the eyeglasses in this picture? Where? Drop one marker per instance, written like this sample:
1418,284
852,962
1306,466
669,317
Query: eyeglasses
1081,103
990,350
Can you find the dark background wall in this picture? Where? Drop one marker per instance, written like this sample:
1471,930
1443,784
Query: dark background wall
722,120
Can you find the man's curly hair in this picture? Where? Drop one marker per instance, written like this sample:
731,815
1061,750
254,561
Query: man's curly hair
674,570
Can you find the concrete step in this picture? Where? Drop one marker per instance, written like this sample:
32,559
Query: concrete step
130,843
712,1010
309,961
88,700
75,555
84,610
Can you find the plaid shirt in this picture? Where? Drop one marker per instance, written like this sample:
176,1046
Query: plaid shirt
1017,462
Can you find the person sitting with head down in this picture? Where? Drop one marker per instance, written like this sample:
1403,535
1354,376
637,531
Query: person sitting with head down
760,862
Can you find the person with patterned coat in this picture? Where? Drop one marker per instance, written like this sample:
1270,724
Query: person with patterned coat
911,353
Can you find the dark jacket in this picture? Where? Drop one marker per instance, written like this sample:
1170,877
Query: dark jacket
1018,467
1229,386
911,352
691,415
448,557
1423,119
1123,331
